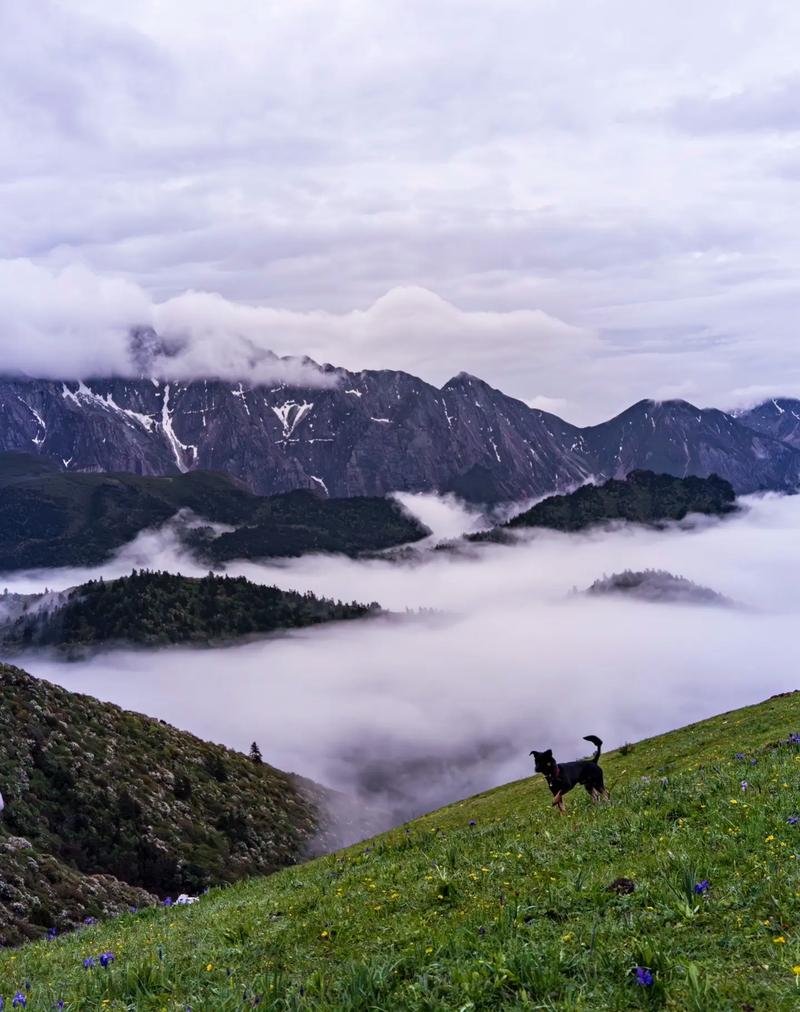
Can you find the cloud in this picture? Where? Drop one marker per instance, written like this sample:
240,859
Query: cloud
453,149
415,712
776,109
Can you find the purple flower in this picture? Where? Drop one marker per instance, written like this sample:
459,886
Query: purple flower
60,1004
643,977
89,920
168,901
744,785
739,755
133,910
753,762
20,1001
473,822
793,820
88,963
51,934
107,959
702,887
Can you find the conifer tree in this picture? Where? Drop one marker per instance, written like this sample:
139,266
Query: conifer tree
255,753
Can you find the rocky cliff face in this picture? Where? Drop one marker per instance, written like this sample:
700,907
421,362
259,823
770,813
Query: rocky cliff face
779,418
373,433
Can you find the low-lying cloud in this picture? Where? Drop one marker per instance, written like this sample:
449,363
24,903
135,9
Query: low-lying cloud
413,711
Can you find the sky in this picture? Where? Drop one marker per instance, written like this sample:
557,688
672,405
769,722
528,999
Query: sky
584,204
418,711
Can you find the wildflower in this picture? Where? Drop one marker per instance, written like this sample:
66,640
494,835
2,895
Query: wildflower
780,940
323,934
132,910
739,755
769,839
744,785
702,887
89,920
473,822
792,820
734,801
429,950
168,902
568,937
210,967
796,970
60,1004
107,959
753,762
51,934
20,1001
88,963
643,977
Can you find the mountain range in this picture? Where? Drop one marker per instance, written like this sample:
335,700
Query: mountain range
373,432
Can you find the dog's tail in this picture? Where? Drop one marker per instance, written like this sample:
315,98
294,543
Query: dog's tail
595,741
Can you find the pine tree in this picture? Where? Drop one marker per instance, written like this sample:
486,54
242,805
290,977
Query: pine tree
255,753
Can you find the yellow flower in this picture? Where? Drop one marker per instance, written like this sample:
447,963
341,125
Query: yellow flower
769,839
734,801
568,937
210,967
428,951
323,934
780,940
796,970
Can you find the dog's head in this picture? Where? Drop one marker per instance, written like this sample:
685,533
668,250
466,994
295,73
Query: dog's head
543,762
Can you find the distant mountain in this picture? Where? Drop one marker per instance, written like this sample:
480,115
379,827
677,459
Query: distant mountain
657,586
374,432
91,789
779,418
157,609
53,517
642,497
674,437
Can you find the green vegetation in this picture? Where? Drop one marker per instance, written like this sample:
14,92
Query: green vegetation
102,790
643,497
50,517
690,873
154,609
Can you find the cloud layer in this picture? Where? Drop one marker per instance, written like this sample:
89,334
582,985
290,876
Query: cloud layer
419,711
628,185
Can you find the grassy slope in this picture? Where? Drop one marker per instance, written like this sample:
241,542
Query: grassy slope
510,913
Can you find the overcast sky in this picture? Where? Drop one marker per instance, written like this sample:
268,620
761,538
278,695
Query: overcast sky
582,203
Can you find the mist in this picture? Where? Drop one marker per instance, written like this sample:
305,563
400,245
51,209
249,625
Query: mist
411,711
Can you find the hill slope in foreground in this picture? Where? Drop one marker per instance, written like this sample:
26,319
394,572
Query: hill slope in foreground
107,809
690,873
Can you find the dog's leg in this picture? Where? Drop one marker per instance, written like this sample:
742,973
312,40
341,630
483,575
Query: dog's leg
558,801
595,796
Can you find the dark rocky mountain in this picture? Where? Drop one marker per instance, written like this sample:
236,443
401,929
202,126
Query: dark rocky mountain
53,517
779,418
375,432
106,808
674,437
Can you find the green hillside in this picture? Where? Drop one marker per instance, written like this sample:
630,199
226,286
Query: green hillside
92,789
641,497
156,609
690,873
52,517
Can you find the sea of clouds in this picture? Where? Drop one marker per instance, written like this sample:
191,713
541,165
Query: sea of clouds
414,711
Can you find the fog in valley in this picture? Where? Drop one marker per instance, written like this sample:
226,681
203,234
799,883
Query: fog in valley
415,710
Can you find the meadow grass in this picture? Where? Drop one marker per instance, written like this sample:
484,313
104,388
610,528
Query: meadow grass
497,902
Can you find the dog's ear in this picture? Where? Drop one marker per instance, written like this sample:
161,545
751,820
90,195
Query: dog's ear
548,754
533,752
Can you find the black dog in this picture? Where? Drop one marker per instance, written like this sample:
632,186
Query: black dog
563,777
